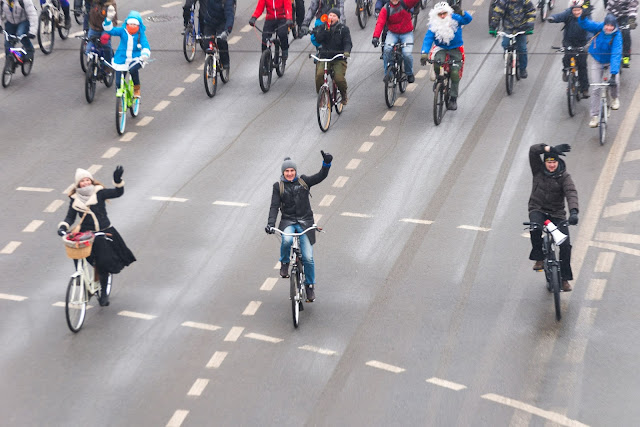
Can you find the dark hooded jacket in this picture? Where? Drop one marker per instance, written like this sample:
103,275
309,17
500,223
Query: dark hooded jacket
550,189
334,40
573,35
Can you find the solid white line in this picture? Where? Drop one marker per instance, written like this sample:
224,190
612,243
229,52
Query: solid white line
110,152
234,333
53,206
340,181
217,359
618,237
93,169
552,416
128,136
327,200
12,297
269,283
261,337
365,147
33,226
10,247
234,40
161,105
356,215
168,199
473,227
144,121
177,91
632,155
173,3
192,78
177,418
612,247
400,101
137,315
447,384
417,221
596,289
223,203
353,164
630,188
377,131
421,74
318,350
35,189
604,262
146,12
204,326
246,29
252,308
198,387
621,209
388,116
386,367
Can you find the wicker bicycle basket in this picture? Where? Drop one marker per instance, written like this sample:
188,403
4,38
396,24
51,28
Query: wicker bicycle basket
78,245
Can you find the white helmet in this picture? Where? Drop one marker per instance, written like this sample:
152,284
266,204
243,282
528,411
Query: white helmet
575,3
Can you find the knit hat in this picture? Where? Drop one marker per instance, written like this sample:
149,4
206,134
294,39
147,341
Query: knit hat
335,10
551,156
610,19
81,174
288,163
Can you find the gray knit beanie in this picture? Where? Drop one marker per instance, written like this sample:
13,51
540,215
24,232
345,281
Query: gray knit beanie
288,163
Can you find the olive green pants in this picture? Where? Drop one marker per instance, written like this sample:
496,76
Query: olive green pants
339,67
454,74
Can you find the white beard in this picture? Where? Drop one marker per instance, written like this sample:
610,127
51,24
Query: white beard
444,29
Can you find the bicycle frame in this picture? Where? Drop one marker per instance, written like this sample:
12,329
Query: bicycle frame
16,52
511,49
86,273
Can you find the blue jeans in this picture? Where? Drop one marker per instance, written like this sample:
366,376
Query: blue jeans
18,30
305,248
106,48
521,46
393,38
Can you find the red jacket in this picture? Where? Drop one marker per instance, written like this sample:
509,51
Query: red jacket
276,9
399,21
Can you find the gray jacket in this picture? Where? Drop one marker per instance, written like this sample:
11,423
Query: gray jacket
18,14
319,7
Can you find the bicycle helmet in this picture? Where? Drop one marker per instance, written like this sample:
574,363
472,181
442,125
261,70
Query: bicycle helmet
575,3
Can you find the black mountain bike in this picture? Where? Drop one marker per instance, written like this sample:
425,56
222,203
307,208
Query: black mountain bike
441,88
17,56
364,8
571,72
97,69
270,59
396,77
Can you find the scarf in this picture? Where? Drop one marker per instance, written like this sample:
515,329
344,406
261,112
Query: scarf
83,194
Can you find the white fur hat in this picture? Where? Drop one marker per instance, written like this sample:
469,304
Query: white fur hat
443,6
81,174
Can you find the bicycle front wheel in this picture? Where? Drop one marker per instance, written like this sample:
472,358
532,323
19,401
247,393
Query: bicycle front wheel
7,72
210,77
278,60
402,84
362,13
294,295
78,15
603,122
509,73
62,30
83,56
572,93
189,43
75,304
438,103
26,67
224,72
121,114
46,34
265,71
324,108
555,286
90,81
390,89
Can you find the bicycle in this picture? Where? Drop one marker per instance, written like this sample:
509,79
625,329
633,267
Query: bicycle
17,56
124,94
51,18
511,60
573,85
545,6
441,88
364,9
414,17
213,66
551,263
396,77
79,13
191,34
328,96
270,59
604,107
297,292
83,283
96,69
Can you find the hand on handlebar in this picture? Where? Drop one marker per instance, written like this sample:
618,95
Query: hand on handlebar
269,229
424,58
375,42
252,21
62,230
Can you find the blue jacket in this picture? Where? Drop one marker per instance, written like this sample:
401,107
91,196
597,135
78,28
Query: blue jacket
605,48
131,46
456,42
574,35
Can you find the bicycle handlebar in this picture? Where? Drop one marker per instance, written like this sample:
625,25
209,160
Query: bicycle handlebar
8,36
511,36
313,227
340,55
561,49
536,226
437,62
124,67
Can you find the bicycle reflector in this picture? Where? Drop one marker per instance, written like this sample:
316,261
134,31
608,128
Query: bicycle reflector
558,236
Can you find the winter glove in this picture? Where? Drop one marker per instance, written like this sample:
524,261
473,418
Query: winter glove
423,58
457,10
573,217
632,23
560,149
304,30
111,12
117,174
375,42
347,54
223,36
493,32
269,230
551,19
289,23
613,81
252,21
62,230
529,32
326,157
186,15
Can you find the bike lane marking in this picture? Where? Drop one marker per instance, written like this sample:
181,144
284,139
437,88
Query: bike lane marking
252,308
10,247
385,366
365,147
136,315
631,156
178,418
269,283
53,206
177,91
32,226
630,188
388,116
421,74
204,326
319,350
473,227
234,40
64,304
216,360
327,200
595,289
110,152
168,199
353,164
237,204
161,105
128,136
173,3
261,337
246,29
191,78
400,101
551,416
604,262
35,189
198,387
340,181
417,221
478,3
93,169
234,333
356,215
145,121
12,297
447,384
619,248
377,131
146,12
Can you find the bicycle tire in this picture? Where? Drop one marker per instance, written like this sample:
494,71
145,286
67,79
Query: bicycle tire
83,55
544,10
390,89
109,75
109,284
26,67
265,71
210,77
189,44
403,83
414,19
361,13
338,100
75,306
278,60
571,94
46,33
555,285
135,107
369,7
224,73
79,15
438,103
509,73
62,30
323,108
90,81
121,114
7,73
295,298
603,122
552,4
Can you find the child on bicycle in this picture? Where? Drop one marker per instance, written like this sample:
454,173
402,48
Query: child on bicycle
133,44
334,38
445,31
20,17
516,16
278,20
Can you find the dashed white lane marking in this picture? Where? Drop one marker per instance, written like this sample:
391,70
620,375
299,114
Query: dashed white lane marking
365,147
632,155
421,74
223,203
135,315
35,189
324,351
400,101
145,121
53,206
93,169
176,92
128,136
198,387
234,40
388,116
526,234
32,226
205,326
618,237
478,2
168,199
192,78
146,12
269,283
261,337
76,34
252,308
604,262
161,105
356,215
277,266
471,12
630,188
173,3
619,248
327,200
411,87
178,418
384,366
473,227
110,152
340,181
353,164
586,319
261,17
577,349
447,384
416,221
200,67
377,131
621,209
217,359
10,247
234,333
316,218
595,289
246,29
12,297
551,416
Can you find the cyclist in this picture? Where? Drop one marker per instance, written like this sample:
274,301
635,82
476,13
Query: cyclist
334,39
552,184
216,18
574,36
20,17
397,17
97,12
88,196
291,196
516,16
606,51
445,31
65,10
625,12
278,19
133,44
318,8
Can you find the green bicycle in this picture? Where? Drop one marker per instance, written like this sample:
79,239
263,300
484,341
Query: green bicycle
124,94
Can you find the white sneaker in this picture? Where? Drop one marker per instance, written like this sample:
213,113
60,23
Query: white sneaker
595,121
615,104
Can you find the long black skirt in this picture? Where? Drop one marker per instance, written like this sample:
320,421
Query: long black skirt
109,253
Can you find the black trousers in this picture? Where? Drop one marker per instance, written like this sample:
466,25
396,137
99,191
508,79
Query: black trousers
223,46
299,12
280,27
536,243
581,64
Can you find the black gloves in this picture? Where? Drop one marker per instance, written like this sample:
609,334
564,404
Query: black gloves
375,42
117,174
573,217
560,149
252,21
304,30
550,19
62,230
289,23
613,81
457,10
423,58
269,230
326,157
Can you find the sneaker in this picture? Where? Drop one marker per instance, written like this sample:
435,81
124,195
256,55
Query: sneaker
411,78
136,91
595,121
104,299
585,94
523,73
311,295
615,104
284,270
538,266
345,99
626,61
452,104
565,76
566,287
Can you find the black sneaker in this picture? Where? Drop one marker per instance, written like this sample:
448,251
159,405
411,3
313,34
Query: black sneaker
311,295
284,270
452,104
565,76
411,78
523,73
387,77
104,299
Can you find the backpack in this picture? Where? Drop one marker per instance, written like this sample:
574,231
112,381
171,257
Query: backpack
302,183
387,5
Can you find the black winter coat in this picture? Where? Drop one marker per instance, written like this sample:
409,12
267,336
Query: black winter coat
214,12
573,35
294,204
97,209
550,189
334,40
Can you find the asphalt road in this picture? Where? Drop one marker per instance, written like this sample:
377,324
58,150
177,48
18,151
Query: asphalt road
427,310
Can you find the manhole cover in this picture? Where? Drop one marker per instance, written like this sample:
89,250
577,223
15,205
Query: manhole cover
161,18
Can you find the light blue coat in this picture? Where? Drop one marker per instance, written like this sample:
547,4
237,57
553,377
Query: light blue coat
131,46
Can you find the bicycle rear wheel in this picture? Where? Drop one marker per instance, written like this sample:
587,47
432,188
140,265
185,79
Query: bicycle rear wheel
509,73
390,89
265,71
121,114
189,43
603,123
438,103
79,15
324,108
46,32
210,77
555,285
294,295
362,13
7,72
90,81
75,304
109,75
224,73
62,30
278,60
572,93
402,84
83,55
338,98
